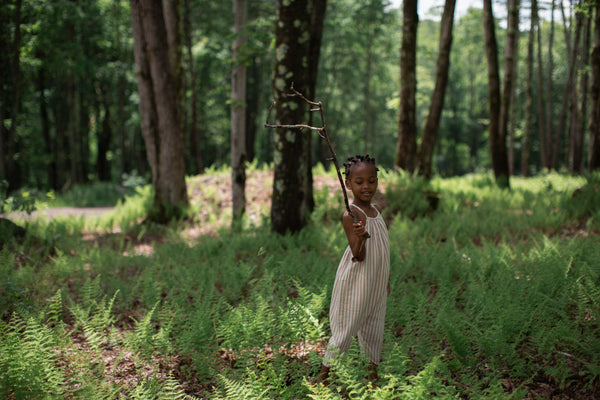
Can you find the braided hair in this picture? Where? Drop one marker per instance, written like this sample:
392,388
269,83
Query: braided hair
352,161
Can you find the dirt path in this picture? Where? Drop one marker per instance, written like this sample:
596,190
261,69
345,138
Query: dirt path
54,212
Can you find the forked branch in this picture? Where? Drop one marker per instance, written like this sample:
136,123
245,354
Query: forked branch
316,107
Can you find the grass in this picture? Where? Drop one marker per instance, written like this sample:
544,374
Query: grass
494,295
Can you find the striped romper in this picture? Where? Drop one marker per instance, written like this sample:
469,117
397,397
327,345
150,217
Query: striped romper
359,295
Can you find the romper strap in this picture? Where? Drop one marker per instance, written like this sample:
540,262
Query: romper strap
360,209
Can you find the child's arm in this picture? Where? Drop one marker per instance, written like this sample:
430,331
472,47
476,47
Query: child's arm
355,233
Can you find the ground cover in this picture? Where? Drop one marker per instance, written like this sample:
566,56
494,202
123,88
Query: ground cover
494,295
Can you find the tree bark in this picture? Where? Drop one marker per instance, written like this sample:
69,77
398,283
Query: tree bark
238,114
528,128
159,108
566,93
425,152
288,203
194,131
496,138
594,123
510,77
10,99
580,96
104,139
317,19
544,134
48,142
407,129
549,106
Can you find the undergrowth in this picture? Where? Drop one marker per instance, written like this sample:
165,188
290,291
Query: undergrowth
494,295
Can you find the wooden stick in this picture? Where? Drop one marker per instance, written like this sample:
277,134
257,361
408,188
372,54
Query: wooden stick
318,106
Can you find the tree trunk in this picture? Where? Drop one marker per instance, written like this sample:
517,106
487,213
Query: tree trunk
317,19
510,77
425,152
159,108
594,124
496,138
193,123
549,106
238,114
566,93
528,128
407,129
580,97
10,99
544,134
104,139
48,142
288,203
574,157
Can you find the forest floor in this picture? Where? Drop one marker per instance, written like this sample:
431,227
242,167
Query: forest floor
258,195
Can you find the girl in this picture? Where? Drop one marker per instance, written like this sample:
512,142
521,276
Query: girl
360,291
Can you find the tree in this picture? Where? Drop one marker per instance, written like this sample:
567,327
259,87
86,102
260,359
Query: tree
425,151
528,123
497,138
10,91
594,122
238,114
510,78
160,105
288,204
407,129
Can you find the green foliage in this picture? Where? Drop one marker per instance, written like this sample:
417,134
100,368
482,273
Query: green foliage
585,201
410,196
23,200
495,289
27,363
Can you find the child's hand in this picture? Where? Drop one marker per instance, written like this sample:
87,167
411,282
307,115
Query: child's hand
359,229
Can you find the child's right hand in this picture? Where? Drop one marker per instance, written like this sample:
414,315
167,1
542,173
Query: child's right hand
359,229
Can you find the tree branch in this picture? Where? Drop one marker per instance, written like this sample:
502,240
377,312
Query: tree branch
318,106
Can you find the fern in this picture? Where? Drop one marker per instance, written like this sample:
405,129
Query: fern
27,361
247,389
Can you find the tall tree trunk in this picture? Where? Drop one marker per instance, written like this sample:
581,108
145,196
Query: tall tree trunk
159,108
10,98
579,98
528,128
574,156
496,138
288,203
238,114
510,77
425,152
317,19
193,123
566,93
83,137
544,138
549,104
407,129
48,142
367,94
104,139
594,123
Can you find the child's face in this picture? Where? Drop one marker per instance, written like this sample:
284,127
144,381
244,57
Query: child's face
363,181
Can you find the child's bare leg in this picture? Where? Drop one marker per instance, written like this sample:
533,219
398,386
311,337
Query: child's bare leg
323,374
372,368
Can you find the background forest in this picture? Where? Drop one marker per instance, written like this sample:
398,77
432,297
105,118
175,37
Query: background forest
70,104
